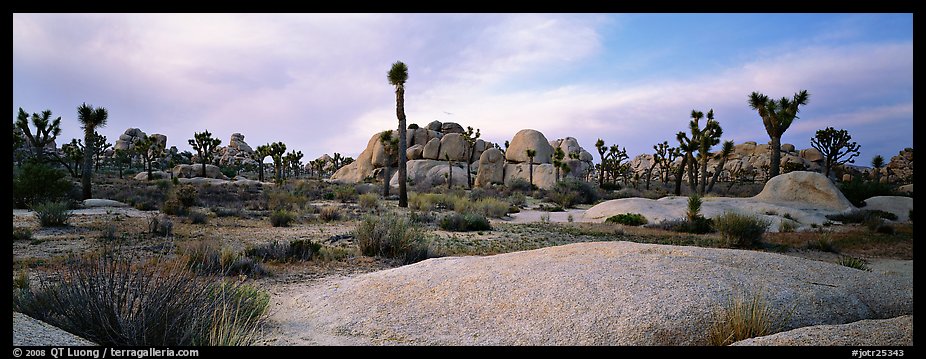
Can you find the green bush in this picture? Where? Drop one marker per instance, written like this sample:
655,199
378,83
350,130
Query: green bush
113,302
186,194
743,317
173,207
630,219
211,258
22,234
858,190
369,201
520,185
490,207
296,250
391,236
570,192
456,222
37,183
739,230
345,193
281,218
52,213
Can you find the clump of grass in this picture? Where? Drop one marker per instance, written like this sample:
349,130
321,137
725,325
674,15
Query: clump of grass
545,218
421,217
570,218
198,217
52,213
161,225
296,250
22,234
108,234
114,302
468,222
345,193
489,207
330,213
743,317
823,244
739,230
630,219
853,262
391,236
861,216
281,218
211,258
786,225
369,201
517,199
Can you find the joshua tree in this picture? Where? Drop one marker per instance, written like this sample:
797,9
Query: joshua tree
397,76
708,137
260,153
601,150
449,170
835,146
558,156
877,162
294,161
45,132
150,151
122,158
204,145
470,138
530,164
73,156
685,147
777,116
725,152
390,147
277,149
99,149
90,118
614,160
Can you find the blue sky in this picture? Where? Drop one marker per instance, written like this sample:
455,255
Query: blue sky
317,82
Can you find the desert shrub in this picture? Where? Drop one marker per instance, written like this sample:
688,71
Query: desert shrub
108,234
281,218
161,225
545,218
211,258
744,317
296,250
823,244
786,226
345,193
550,208
174,207
517,200
368,201
161,184
490,207
52,213
330,213
421,217
858,190
885,228
391,236
853,262
739,230
481,193
420,202
226,212
22,234
570,192
861,216
186,194
630,219
456,222
111,301
520,185
37,183
198,217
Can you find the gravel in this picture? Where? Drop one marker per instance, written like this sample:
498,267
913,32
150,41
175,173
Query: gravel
28,331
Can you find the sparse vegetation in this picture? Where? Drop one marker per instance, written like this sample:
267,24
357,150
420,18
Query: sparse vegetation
161,225
198,217
629,219
853,262
281,218
369,201
330,213
296,250
787,225
739,230
211,258
22,234
345,193
570,192
742,317
37,183
468,222
391,236
858,190
52,213
162,303
861,216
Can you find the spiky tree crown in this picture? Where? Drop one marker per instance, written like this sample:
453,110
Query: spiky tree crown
397,74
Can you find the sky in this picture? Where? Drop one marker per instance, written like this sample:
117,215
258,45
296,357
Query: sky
317,82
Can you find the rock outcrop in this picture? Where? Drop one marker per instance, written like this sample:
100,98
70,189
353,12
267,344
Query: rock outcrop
804,190
900,168
604,293
491,168
237,152
196,170
898,205
128,139
865,333
529,139
432,173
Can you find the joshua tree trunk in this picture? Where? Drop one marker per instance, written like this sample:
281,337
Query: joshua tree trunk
87,168
717,171
469,169
386,179
260,172
649,174
403,170
702,184
203,171
450,175
530,171
678,176
775,162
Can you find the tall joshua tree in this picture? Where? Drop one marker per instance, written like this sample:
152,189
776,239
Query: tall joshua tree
470,138
277,149
530,164
601,151
205,146
777,116
150,151
260,153
390,147
90,119
836,146
877,162
558,156
45,132
709,136
397,76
